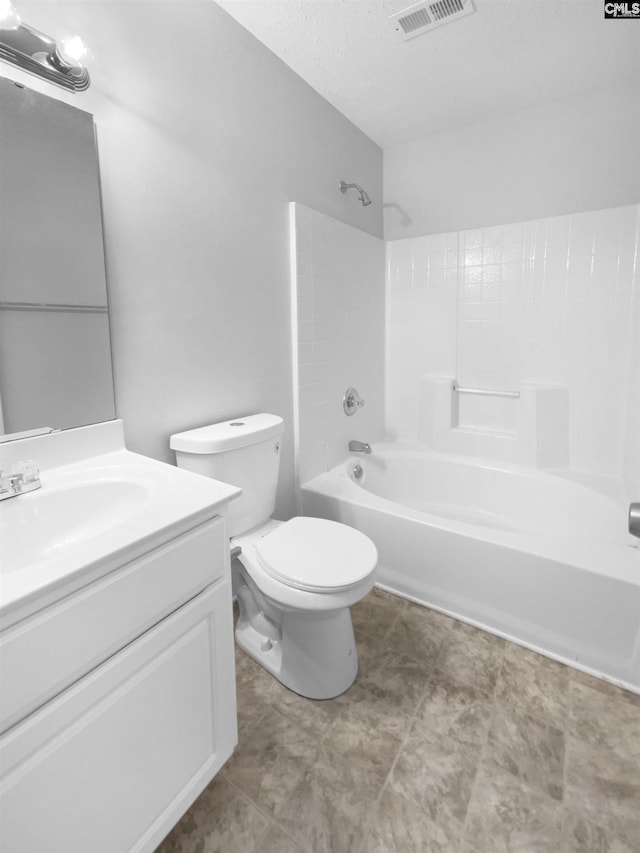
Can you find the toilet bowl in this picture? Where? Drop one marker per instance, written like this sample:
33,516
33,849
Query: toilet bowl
294,580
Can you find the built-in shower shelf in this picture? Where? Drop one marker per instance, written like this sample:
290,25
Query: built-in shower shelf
529,427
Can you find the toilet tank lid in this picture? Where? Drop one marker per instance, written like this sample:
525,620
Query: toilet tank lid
228,435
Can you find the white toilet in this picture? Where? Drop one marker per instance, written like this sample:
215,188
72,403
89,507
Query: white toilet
294,580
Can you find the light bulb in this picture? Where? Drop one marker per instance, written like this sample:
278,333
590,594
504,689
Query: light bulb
73,50
9,18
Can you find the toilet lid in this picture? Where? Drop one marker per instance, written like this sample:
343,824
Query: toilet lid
317,555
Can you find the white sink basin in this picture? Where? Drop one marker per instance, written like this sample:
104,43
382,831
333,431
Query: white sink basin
99,507
48,522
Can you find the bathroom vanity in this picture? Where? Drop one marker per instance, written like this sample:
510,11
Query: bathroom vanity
116,645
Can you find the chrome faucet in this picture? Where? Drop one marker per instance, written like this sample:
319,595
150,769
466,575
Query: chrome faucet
359,447
24,477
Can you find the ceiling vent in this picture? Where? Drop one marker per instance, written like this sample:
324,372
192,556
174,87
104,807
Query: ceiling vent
422,17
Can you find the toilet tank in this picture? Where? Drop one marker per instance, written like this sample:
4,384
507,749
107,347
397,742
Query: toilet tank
243,452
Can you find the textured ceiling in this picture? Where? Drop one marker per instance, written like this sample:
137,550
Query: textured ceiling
508,56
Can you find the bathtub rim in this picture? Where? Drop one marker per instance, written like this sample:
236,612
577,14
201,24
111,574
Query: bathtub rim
615,560
615,490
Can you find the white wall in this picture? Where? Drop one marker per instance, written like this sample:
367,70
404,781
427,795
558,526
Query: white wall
338,329
562,157
204,138
525,307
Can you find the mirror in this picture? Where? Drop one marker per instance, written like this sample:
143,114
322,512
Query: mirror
55,352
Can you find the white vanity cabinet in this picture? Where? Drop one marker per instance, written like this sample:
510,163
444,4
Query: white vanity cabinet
120,702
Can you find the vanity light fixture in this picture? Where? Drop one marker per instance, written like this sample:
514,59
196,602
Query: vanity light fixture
40,54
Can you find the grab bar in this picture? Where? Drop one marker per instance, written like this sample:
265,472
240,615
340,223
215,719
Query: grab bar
485,391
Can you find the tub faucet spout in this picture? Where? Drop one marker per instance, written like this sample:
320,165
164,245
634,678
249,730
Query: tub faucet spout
359,447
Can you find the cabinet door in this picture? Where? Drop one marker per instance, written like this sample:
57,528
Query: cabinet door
112,763
46,653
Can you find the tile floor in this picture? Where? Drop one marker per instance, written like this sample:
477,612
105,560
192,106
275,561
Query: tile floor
451,740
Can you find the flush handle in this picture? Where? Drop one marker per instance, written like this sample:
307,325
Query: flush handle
634,519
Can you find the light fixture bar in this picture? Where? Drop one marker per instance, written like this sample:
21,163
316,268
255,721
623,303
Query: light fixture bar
39,54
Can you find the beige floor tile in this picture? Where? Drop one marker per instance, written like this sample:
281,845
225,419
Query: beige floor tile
419,632
329,809
529,749
253,683
533,684
401,827
472,656
398,680
221,819
582,836
375,614
277,841
249,714
478,773
369,731
316,715
604,719
370,652
454,709
271,761
257,690
358,697
505,816
436,773
604,687
604,788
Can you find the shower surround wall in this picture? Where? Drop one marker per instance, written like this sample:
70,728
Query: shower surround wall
547,308
338,296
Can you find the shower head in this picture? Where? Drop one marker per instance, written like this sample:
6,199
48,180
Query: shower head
364,196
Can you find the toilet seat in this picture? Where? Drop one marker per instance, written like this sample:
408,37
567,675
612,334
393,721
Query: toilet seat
317,555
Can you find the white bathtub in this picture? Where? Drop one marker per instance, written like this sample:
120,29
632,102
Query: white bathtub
530,556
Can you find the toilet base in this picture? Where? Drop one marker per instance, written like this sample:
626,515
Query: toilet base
313,654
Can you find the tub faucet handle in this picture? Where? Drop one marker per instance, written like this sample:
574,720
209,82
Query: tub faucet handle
351,402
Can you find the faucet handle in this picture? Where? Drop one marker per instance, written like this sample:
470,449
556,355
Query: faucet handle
351,402
27,470
9,481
